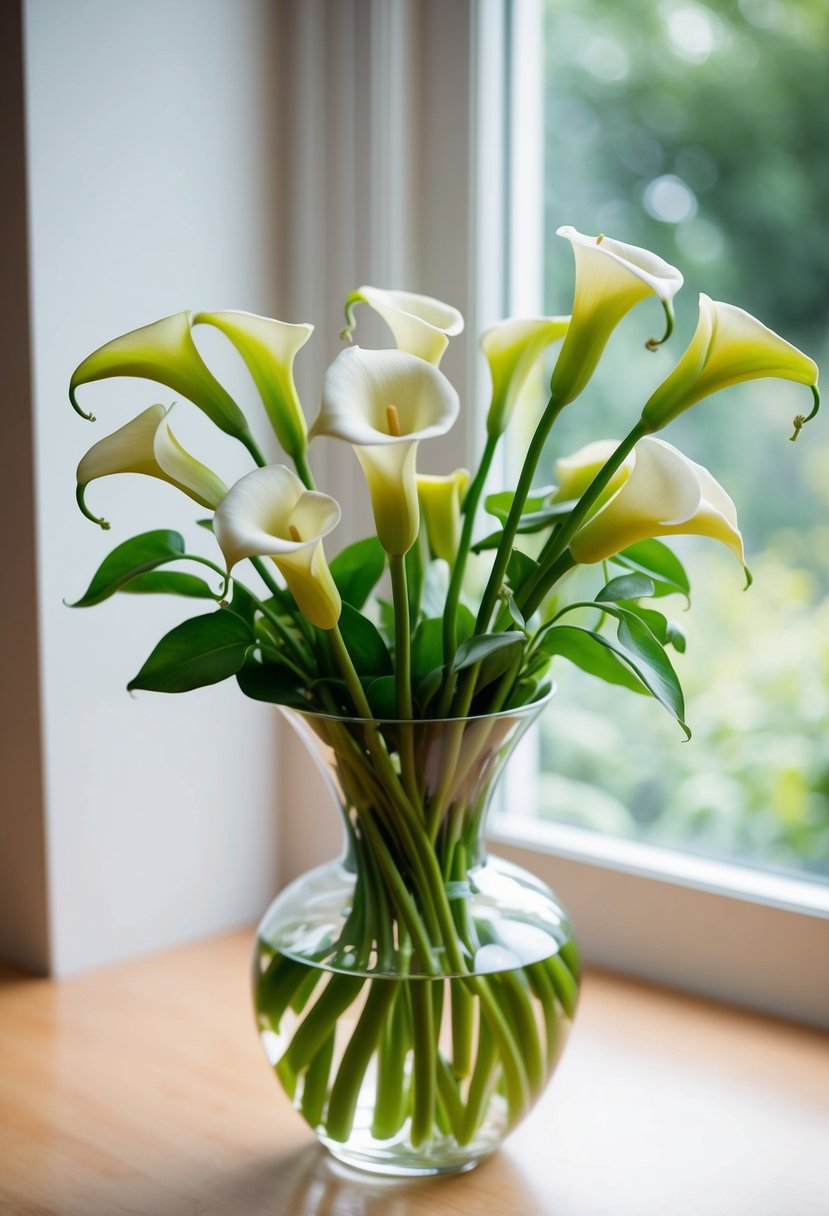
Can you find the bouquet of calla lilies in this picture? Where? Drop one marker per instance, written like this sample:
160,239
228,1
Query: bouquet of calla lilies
415,672
439,648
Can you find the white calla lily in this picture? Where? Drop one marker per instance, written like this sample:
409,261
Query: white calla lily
441,498
512,348
269,347
728,347
165,352
146,444
611,277
383,402
269,513
663,494
420,325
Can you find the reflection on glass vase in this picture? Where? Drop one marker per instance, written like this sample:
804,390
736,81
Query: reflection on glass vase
414,996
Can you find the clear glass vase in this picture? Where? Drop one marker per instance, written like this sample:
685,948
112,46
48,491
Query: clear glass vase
414,995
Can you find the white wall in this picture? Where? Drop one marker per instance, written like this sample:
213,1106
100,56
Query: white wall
152,188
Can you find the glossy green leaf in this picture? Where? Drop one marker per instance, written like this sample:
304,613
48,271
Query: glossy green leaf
132,557
168,582
382,697
427,647
364,643
201,651
596,655
625,587
500,504
272,683
654,558
493,651
358,569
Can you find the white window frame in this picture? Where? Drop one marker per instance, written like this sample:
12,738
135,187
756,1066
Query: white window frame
413,147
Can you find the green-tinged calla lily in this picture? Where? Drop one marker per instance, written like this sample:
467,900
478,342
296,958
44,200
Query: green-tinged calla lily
611,278
441,499
663,494
269,513
164,352
146,444
268,347
421,325
512,348
575,473
729,346
383,402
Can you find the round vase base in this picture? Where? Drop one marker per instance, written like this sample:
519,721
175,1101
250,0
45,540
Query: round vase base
395,1165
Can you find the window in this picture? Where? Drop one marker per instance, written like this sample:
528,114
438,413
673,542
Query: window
691,129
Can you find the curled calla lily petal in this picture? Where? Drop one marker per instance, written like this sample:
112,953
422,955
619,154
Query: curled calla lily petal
268,347
576,472
664,494
383,402
269,513
611,278
146,444
441,499
164,352
421,325
512,348
728,347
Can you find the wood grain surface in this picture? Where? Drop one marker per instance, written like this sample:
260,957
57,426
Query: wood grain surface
141,1090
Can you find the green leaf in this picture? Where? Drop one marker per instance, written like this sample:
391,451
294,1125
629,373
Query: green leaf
205,523
358,569
593,653
667,632
382,697
427,647
201,651
520,568
135,556
365,645
500,504
494,651
167,582
428,686
661,563
625,587
242,603
272,683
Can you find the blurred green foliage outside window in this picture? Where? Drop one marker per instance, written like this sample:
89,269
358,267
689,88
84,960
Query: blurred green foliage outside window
701,131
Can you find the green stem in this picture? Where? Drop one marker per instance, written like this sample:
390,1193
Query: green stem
470,510
403,670
304,470
346,1089
253,447
522,491
547,573
425,1063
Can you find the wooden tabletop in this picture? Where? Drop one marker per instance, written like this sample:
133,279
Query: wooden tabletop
142,1089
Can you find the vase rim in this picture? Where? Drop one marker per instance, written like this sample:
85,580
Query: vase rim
354,720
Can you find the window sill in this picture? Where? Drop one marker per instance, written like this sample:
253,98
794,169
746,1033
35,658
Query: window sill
142,1088
757,939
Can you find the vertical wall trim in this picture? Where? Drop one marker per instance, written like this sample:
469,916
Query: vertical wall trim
24,921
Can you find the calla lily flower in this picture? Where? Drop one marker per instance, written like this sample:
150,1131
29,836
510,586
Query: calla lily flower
512,348
729,346
383,402
269,513
441,499
663,494
611,278
575,473
146,444
268,348
164,352
421,325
